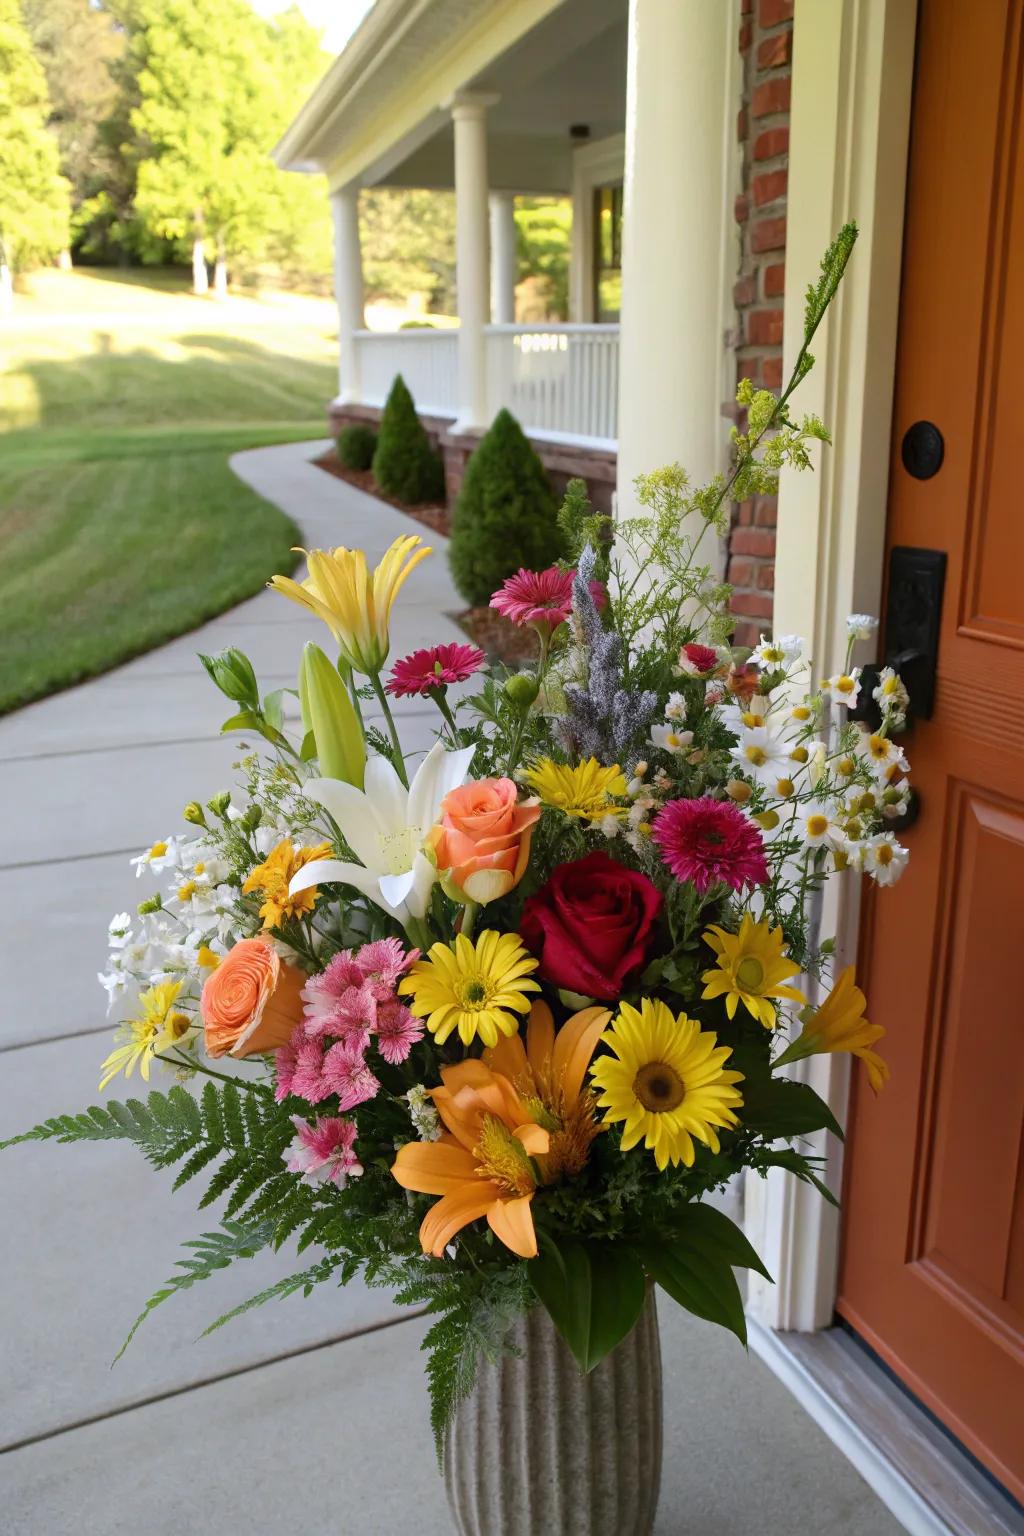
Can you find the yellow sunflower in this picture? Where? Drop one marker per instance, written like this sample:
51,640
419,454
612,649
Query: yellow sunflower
667,1080
477,989
157,1027
839,1025
752,967
272,877
585,791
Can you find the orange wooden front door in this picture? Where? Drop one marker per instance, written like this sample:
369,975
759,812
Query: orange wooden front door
932,1269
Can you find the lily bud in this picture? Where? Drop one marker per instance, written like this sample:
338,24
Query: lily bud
340,746
232,672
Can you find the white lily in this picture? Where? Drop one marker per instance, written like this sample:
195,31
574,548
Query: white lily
385,825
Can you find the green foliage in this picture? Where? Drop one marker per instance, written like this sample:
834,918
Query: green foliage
34,201
695,1266
356,444
505,516
409,245
594,1293
543,237
581,526
404,464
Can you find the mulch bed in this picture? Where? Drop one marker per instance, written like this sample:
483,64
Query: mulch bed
435,517
501,640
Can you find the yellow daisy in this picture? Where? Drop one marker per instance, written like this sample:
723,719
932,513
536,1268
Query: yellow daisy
477,989
839,1025
751,969
271,879
667,1081
156,1027
585,791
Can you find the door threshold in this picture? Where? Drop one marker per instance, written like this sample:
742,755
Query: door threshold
922,1477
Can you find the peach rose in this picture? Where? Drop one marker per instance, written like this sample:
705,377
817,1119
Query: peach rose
482,843
251,1002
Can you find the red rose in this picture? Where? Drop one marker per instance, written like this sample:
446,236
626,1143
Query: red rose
591,925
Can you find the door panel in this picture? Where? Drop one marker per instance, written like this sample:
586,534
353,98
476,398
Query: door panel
932,1270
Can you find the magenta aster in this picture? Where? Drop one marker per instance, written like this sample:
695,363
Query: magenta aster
706,841
540,597
434,667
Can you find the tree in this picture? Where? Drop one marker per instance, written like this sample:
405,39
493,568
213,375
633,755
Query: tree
505,516
34,202
544,232
78,43
404,464
409,245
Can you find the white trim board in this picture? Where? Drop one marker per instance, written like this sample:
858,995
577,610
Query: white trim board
922,1477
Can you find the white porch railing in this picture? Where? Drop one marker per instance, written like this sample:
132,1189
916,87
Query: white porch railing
559,381
427,359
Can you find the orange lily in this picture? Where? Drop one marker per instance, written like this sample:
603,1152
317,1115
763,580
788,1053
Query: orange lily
550,1071
481,1166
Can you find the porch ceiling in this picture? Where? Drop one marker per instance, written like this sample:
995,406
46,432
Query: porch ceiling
377,116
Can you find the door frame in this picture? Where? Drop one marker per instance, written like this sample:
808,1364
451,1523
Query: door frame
852,84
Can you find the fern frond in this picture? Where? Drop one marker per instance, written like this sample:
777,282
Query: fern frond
213,1251
304,1282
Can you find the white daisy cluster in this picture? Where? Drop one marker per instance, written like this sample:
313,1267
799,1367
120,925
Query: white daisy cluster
814,781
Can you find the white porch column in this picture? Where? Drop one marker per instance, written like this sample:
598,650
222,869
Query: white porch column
472,278
504,265
348,289
674,240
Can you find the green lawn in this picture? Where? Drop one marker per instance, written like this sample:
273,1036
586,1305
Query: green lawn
121,524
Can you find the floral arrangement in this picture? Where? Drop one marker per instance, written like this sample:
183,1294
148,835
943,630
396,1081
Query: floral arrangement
489,1027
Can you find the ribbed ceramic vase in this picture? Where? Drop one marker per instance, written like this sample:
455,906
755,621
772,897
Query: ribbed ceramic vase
539,1447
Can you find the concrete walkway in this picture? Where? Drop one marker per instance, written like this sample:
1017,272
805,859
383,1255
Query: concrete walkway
305,1417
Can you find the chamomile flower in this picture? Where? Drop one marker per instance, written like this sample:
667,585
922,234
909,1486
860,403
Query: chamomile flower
884,858
844,688
885,757
891,694
119,931
162,855
675,709
762,754
816,825
669,739
781,653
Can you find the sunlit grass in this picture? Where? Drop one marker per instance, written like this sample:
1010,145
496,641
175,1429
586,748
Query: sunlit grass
120,522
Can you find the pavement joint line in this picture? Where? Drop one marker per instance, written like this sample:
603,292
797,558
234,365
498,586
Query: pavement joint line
209,1381
113,746
71,858
70,1034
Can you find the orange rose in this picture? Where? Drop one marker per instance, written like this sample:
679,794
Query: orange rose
483,840
251,1002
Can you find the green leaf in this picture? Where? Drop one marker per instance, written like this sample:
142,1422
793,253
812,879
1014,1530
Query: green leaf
594,1294
777,1107
711,1231
273,708
799,1166
245,720
703,1285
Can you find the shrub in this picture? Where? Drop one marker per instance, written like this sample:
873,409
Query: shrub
505,516
404,464
356,445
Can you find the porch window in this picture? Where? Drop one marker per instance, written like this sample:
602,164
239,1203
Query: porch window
607,252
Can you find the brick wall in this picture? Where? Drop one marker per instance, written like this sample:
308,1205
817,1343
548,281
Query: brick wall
766,44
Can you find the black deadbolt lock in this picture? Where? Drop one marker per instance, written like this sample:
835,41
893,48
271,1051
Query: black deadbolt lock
922,450
912,619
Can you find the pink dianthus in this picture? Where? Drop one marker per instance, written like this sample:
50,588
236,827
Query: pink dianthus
709,841
397,1032
345,1073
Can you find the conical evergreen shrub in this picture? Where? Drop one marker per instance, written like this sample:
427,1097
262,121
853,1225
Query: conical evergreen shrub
404,464
505,516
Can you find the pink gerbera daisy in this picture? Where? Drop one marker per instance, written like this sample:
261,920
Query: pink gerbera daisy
397,1032
323,1150
423,671
540,597
708,841
346,1074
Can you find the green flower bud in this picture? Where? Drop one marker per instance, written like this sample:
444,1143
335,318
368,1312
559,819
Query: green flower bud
232,672
340,747
151,904
251,819
522,689
193,812
218,804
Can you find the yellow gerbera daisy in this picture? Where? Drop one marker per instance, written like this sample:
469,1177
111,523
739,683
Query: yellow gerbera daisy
272,878
585,791
752,966
477,989
839,1025
156,1027
667,1081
